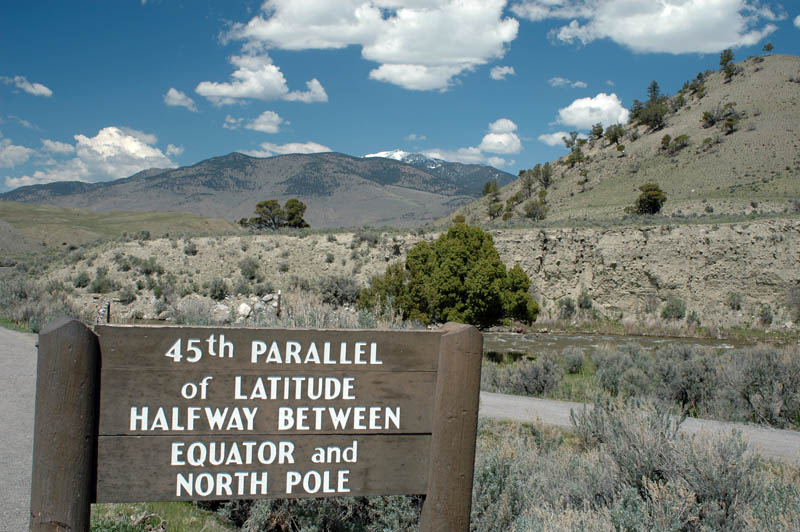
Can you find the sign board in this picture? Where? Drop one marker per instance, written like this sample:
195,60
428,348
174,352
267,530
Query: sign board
201,413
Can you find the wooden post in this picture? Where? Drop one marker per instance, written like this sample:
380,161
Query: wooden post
65,432
455,424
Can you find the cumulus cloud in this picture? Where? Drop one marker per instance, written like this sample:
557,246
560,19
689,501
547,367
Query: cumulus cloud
55,146
113,153
500,72
498,162
558,81
257,78
174,151
557,138
418,45
11,155
266,122
269,149
797,22
37,89
584,112
501,139
671,26
176,98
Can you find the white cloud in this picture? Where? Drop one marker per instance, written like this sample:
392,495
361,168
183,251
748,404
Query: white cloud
501,138
797,22
315,93
553,139
610,83
584,112
37,89
174,151
256,77
671,26
267,122
558,81
469,155
176,98
11,155
557,138
502,125
269,149
113,153
55,146
497,162
232,123
500,72
418,45
414,136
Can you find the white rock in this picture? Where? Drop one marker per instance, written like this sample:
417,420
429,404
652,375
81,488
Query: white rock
244,310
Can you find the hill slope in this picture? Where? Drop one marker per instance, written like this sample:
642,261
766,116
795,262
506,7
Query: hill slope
23,226
338,189
754,169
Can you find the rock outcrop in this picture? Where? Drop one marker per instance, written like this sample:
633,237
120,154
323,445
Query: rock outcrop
631,271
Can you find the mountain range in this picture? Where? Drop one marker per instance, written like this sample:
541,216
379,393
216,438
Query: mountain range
340,190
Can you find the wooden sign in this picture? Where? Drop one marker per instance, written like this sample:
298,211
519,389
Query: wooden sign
201,413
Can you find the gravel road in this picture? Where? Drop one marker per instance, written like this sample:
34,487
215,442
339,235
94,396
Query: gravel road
18,381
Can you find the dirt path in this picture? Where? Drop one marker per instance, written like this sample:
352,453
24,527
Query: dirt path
18,381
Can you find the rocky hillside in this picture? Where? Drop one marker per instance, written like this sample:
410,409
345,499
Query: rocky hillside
754,168
627,273
630,272
338,189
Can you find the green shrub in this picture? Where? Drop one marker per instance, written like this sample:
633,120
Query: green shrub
190,248
249,268
765,315
574,359
81,280
329,257
283,267
735,300
585,301
127,295
650,200
674,309
218,289
338,290
566,308
101,283
459,277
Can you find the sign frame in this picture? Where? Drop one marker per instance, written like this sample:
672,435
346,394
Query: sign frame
67,424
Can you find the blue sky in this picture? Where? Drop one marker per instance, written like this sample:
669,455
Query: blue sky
94,91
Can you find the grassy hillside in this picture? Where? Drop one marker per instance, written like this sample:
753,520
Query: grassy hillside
56,226
754,169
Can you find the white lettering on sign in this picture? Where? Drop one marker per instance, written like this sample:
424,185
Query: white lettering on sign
215,347
350,418
194,418
200,454
224,465
314,388
296,353
316,481
221,484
